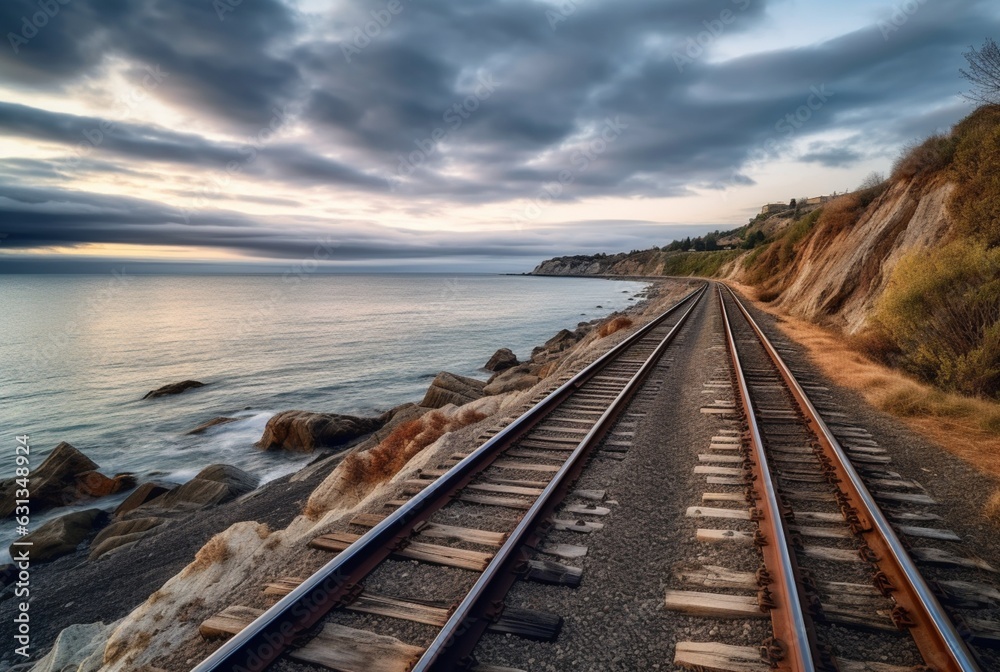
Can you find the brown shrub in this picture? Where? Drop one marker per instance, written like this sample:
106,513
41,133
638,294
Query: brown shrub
840,214
404,442
875,344
768,295
613,325
216,550
924,159
942,311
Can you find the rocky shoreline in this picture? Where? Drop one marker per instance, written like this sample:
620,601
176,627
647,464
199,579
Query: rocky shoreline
107,563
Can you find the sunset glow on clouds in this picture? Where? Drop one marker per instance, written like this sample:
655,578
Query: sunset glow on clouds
428,135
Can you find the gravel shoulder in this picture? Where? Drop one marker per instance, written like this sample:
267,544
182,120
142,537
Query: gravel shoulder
615,620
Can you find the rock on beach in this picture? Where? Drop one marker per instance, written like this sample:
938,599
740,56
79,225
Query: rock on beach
65,477
305,431
449,388
173,388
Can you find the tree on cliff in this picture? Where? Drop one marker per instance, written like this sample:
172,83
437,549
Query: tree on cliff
983,73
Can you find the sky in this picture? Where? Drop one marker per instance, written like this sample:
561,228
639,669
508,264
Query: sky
445,135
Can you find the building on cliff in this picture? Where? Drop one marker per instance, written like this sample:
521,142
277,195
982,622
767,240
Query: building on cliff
772,208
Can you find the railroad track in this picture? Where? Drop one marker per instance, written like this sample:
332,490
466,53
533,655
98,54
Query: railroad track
835,529
523,477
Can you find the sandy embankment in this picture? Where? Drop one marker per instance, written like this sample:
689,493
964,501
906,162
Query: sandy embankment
257,537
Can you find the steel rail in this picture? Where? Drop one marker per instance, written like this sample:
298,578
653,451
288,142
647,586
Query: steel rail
936,637
790,621
470,618
264,640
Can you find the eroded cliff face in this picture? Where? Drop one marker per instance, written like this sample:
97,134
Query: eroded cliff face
648,263
837,277
576,266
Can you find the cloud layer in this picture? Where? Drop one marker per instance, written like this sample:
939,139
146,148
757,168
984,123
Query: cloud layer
260,129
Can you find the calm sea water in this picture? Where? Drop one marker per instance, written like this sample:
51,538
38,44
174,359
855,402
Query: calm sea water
79,352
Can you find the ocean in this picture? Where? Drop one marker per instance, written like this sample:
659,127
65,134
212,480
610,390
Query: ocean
79,352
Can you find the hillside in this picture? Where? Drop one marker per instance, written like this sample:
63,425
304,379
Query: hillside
830,269
909,267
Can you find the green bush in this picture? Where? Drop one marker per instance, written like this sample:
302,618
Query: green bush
768,262
975,202
941,311
703,264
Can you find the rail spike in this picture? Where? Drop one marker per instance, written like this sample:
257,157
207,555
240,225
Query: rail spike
883,584
773,651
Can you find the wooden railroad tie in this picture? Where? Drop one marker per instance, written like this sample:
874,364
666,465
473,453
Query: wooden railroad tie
338,647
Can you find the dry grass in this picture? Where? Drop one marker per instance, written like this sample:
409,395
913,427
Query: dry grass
841,213
364,470
613,325
966,427
216,550
923,159
992,508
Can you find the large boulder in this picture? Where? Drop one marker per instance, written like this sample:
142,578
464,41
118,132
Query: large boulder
123,533
96,484
448,388
512,380
213,485
173,388
502,359
62,535
304,431
78,648
397,416
144,493
66,476
564,339
230,476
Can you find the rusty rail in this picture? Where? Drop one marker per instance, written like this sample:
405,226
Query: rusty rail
793,648
264,640
936,637
471,616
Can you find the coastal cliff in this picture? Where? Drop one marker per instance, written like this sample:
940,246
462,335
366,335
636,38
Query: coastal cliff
831,262
909,265
834,275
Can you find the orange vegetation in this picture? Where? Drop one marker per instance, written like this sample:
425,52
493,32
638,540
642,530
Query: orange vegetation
386,459
215,550
613,325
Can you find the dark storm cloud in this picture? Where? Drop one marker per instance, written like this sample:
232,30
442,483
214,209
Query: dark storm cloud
832,155
40,218
90,136
230,67
457,102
